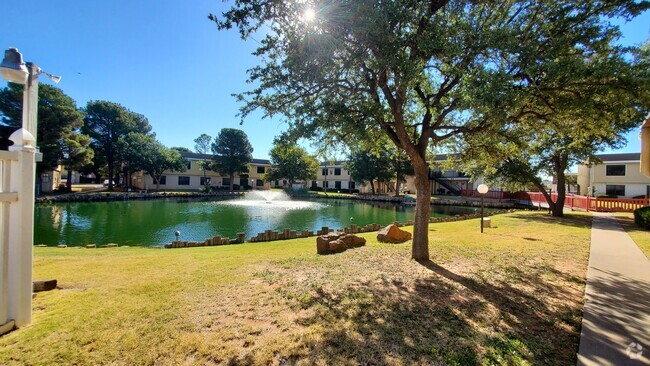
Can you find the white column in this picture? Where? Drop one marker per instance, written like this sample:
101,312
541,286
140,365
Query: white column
30,102
21,229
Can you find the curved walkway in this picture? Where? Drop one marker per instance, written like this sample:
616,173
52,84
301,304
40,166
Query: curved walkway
616,320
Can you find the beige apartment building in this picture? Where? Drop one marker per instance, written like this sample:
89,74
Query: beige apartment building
331,176
194,178
617,175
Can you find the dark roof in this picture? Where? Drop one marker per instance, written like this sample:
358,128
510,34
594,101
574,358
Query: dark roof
329,163
620,157
444,157
261,161
191,155
439,158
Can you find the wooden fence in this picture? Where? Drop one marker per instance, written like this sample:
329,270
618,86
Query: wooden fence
572,201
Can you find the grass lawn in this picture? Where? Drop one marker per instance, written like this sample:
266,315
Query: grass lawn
510,296
640,236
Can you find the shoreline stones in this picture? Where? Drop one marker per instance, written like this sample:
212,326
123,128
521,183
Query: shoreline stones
123,196
393,234
271,235
338,242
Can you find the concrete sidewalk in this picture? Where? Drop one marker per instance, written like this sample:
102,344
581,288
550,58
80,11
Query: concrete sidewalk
616,320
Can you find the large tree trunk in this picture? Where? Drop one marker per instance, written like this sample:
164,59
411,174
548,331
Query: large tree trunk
68,183
110,161
397,185
559,165
232,182
372,186
420,248
98,177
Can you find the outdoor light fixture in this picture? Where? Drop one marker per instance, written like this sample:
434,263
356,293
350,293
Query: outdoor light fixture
482,190
15,70
13,67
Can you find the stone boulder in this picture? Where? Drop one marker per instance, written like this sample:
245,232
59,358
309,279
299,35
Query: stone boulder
393,234
337,242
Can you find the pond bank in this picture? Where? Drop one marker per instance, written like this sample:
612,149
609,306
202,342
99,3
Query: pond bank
126,196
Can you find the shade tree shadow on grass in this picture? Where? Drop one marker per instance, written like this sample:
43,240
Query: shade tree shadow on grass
569,219
441,318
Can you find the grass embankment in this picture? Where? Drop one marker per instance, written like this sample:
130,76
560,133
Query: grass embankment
510,296
640,236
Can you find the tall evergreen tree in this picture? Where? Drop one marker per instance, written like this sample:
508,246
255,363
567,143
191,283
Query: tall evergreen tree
59,121
232,152
105,123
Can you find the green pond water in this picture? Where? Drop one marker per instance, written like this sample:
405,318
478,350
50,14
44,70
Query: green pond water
154,222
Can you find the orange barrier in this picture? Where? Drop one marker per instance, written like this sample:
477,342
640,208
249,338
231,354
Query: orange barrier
572,201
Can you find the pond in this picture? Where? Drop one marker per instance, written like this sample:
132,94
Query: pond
154,222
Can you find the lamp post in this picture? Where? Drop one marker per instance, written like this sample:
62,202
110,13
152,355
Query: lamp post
19,254
482,190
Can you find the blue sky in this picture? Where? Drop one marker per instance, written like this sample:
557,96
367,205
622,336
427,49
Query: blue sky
163,59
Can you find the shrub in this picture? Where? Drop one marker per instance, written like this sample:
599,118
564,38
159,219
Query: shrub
607,196
642,217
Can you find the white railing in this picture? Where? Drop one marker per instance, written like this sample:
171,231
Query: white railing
16,231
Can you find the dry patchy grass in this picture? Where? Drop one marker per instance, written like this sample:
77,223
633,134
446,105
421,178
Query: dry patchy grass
510,296
640,236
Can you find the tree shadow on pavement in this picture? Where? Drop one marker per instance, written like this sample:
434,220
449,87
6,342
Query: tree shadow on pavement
618,304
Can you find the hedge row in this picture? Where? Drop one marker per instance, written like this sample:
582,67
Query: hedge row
642,217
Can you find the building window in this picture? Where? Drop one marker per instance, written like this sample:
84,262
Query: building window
615,190
205,181
189,165
337,184
260,170
163,180
225,181
314,184
259,183
326,184
337,171
183,181
324,171
351,185
615,170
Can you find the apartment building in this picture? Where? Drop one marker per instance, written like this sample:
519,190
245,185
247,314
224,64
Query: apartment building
194,178
332,176
616,175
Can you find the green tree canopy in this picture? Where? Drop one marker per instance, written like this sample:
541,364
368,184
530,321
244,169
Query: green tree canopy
144,152
105,123
202,146
77,154
366,167
291,162
58,123
588,102
421,71
232,152
181,149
